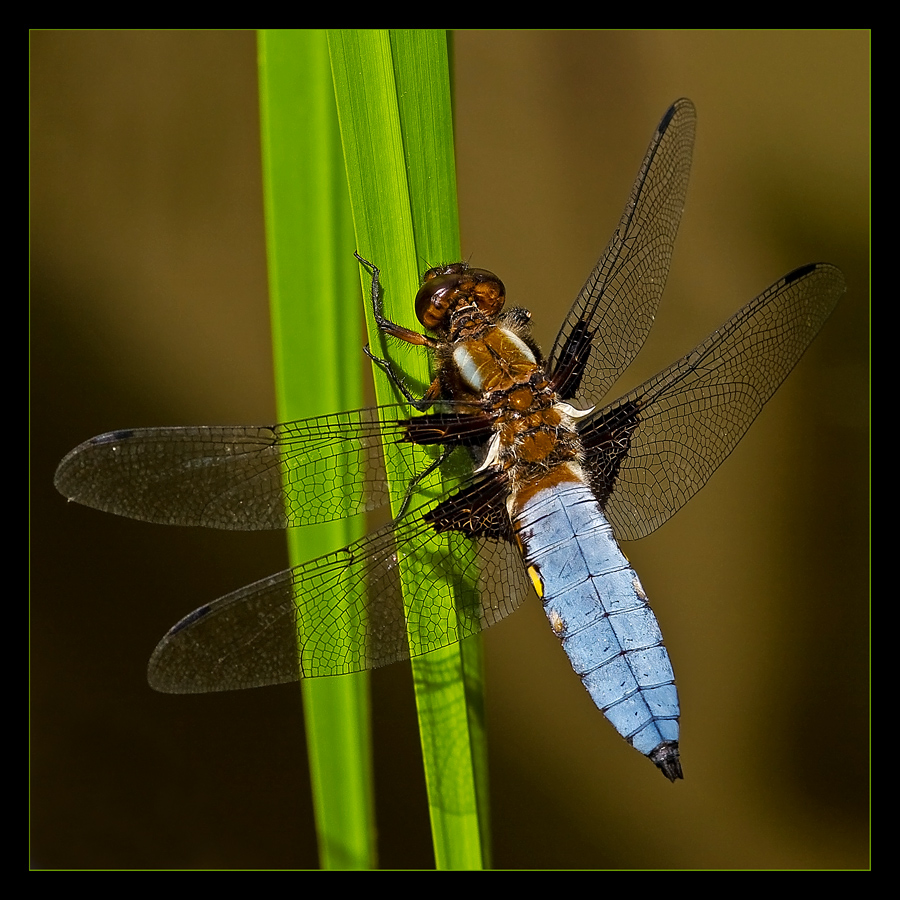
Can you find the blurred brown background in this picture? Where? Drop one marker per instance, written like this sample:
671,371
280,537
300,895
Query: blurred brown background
149,307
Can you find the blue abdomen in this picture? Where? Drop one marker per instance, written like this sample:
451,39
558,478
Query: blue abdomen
598,610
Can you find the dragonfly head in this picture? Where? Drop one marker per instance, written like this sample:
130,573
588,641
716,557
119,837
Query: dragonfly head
446,288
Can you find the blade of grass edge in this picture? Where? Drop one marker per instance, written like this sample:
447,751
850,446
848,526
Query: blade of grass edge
393,97
312,285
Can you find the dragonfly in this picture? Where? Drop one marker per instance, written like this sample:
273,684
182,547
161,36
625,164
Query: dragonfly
510,477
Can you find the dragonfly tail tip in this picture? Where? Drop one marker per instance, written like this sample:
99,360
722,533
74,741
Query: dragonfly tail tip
668,760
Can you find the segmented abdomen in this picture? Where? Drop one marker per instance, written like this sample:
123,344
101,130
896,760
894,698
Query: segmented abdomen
598,609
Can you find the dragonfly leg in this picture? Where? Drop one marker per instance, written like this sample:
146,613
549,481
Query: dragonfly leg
386,366
381,320
417,480
386,326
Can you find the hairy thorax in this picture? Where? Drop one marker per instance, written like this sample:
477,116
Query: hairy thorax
535,438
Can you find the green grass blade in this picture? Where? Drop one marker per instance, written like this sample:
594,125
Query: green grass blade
393,97
313,285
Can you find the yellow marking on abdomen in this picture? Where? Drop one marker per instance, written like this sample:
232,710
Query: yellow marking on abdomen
536,580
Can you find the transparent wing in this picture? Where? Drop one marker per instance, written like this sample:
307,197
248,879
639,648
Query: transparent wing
654,448
614,312
343,612
244,478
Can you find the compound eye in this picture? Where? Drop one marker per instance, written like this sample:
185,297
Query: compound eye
435,300
487,291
